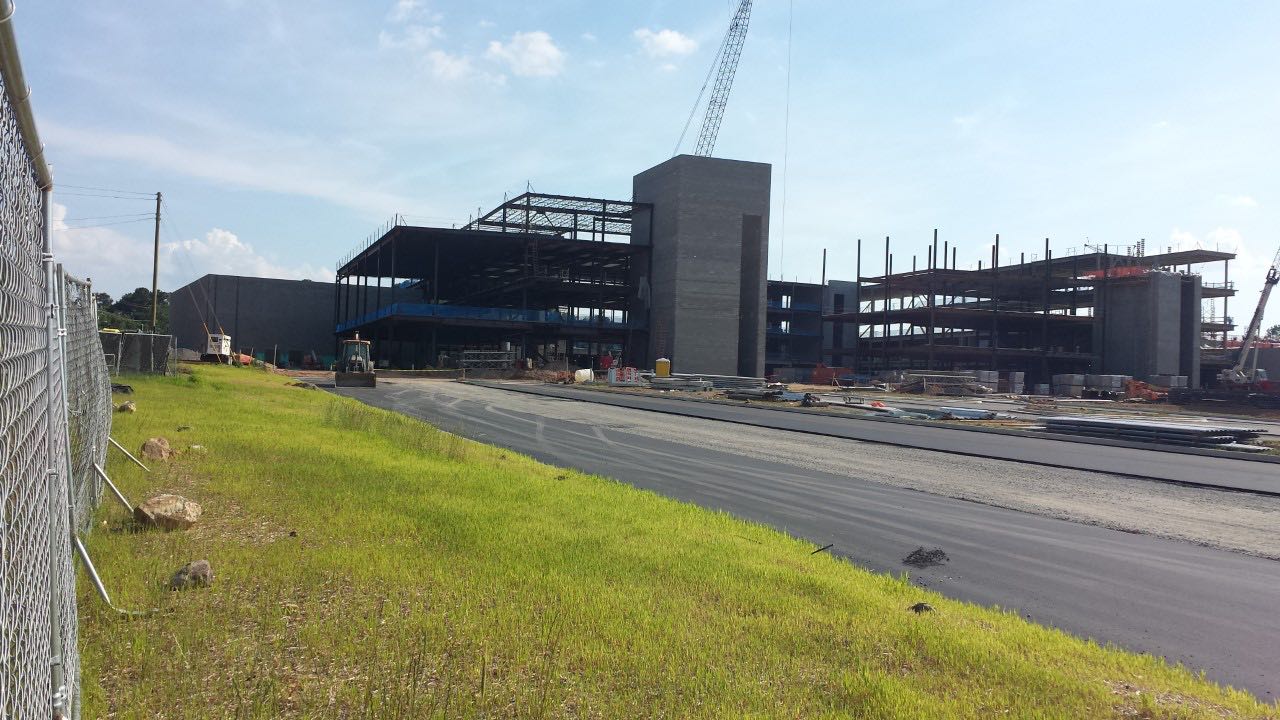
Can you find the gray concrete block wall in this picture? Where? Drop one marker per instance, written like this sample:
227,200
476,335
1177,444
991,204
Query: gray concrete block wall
1165,313
1269,360
848,333
1189,339
1150,325
258,313
708,290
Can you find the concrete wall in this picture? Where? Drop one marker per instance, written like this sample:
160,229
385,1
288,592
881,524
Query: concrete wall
710,235
1269,360
1150,326
258,313
1189,339
847,332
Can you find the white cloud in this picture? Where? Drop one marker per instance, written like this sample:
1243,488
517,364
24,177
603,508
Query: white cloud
665,43
1227,239
529,54
420,41
1224,239
589,37
118,263
221,251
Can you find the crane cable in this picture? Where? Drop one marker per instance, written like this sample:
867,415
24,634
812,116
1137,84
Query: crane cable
715,62
786,142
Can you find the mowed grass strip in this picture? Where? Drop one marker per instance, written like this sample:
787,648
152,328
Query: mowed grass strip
370,565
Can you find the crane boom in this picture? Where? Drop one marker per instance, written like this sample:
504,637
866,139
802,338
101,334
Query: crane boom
728,56
1255,325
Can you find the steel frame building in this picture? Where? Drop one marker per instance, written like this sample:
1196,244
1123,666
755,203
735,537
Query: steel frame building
1044,317
551,276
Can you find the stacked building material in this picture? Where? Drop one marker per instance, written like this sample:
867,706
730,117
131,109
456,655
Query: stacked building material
725,382
1154,431
687,384
987,377
1014,382
1113,384
1168,381
1068,385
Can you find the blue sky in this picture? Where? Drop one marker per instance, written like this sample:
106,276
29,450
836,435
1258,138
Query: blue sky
283,133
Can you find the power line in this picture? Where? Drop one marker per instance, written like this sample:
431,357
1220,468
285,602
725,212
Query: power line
103,195
100,225
108,190
106,217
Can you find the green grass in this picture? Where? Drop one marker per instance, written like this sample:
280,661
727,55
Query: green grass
435,577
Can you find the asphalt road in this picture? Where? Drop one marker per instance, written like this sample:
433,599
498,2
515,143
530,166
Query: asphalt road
1209,609
1210,471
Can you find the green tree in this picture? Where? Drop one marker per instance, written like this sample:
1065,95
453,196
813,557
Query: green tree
1273,331
133,311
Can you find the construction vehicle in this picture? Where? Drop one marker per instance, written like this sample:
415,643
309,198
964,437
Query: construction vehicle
217,348
1244,381
1245,374
355,364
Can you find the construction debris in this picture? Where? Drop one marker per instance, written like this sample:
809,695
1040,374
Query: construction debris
956,382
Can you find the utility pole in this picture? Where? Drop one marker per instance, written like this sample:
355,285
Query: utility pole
155,270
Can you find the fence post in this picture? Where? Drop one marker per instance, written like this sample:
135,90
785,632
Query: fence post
53,448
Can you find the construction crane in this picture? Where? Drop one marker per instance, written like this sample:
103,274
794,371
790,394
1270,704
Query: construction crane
1237,375
725,66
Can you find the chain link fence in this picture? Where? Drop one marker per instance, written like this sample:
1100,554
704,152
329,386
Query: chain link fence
55,413
88,397
140,353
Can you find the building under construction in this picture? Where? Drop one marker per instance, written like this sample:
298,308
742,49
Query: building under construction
544,276
677,272
1100,311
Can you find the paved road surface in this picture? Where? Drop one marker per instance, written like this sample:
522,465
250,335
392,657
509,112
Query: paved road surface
1209,609
1231,473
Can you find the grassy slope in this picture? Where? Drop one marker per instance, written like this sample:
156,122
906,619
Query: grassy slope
436,577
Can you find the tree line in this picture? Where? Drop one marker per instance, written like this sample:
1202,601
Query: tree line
132,312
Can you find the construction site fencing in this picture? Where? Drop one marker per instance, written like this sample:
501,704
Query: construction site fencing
55,414
146,353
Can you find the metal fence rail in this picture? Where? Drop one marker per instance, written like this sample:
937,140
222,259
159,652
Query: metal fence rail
55,413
